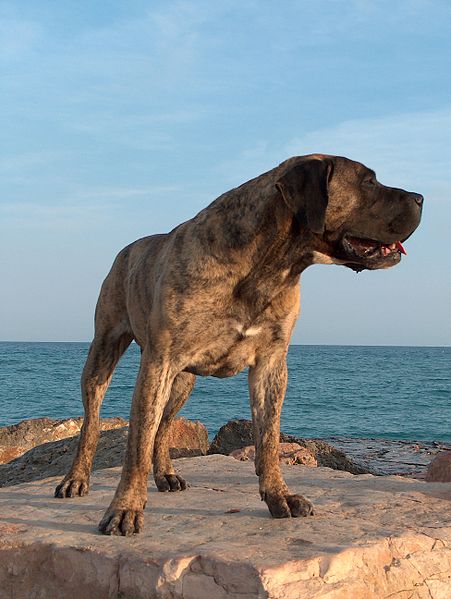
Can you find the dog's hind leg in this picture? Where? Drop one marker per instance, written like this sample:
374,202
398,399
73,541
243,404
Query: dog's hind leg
164,473
104,353
267,385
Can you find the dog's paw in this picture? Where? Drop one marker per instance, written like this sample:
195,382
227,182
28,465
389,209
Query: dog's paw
72,487
123,522
170,482
288,506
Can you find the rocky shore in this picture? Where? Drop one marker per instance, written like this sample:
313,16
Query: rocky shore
372,536
387,456
42,447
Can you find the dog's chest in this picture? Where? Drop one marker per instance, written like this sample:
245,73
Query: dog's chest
223,338
221,361
230,351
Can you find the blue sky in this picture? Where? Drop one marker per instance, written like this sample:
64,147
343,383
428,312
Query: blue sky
122,119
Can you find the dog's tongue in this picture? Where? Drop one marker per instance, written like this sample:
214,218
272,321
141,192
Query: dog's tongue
400,248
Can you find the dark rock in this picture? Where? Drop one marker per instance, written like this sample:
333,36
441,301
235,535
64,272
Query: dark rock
237,434
439,470
329,456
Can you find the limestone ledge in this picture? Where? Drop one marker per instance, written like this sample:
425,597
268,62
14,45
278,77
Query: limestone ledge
371,537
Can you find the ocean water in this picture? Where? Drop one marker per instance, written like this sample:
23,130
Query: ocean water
385,392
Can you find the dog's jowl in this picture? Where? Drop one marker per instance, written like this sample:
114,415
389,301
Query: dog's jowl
218,294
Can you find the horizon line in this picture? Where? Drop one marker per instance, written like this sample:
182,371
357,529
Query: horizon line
291,344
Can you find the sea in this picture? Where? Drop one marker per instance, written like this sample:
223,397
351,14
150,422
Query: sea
399,393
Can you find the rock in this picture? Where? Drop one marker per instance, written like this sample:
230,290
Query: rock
293,453
329,456
237,434
375,537
289,453
54,458
245,454
15,440
388,456
188,438
439,470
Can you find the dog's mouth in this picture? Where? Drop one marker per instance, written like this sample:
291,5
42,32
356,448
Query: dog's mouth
369,248
361,253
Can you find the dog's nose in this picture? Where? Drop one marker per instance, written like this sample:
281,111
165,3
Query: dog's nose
418,198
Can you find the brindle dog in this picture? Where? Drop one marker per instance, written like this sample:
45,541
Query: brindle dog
218,294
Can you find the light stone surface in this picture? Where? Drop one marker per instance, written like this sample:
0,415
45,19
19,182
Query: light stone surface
371,537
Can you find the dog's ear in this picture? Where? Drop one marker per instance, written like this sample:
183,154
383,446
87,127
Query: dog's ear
304,188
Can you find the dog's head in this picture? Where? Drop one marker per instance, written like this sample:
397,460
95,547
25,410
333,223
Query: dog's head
354,219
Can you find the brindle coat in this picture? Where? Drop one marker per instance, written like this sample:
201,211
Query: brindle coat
218,294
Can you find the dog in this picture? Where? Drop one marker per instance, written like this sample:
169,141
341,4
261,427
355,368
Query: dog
218,294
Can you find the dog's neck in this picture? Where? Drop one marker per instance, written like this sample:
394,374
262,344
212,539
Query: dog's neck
281,252
253,226
271,274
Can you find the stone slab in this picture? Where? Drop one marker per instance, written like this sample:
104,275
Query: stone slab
371,537
387,456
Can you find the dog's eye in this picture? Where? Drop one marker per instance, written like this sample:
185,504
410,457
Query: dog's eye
371,181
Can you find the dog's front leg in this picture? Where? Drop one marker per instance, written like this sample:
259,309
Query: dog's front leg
267,385
153,387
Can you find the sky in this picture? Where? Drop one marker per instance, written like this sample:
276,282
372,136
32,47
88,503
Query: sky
122,119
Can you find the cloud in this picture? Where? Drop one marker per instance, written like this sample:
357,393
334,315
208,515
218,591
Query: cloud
33,216
85,200
125,193
24,160
132,211
410,150
146,132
